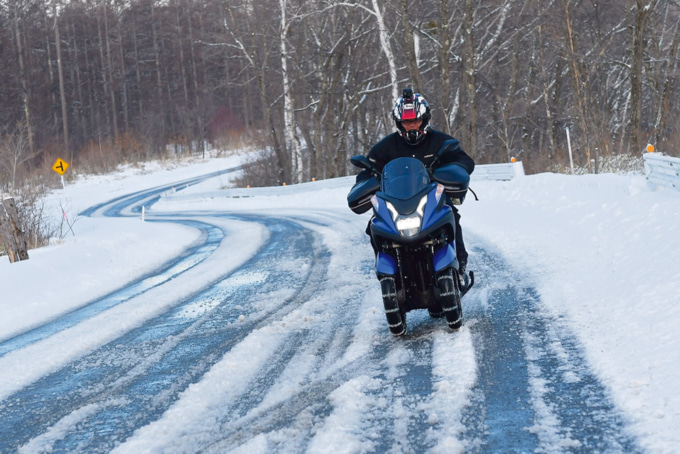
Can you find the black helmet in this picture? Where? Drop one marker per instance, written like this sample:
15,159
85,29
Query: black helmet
412,107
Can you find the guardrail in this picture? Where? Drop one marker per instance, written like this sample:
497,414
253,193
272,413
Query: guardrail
662,170
498,172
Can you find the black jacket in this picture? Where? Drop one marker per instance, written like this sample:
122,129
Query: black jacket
394,146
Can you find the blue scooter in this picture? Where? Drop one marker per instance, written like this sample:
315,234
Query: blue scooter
413,232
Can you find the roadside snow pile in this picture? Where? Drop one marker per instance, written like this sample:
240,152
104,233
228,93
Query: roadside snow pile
602,251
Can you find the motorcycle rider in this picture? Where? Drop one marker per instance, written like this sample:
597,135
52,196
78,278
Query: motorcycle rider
416,138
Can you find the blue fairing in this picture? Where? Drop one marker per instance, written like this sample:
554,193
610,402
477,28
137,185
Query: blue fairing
385,264
383,219
431,215
444,257
435,215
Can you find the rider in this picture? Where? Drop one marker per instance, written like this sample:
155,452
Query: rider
417,139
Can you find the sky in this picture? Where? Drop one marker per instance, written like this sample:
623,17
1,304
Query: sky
599,250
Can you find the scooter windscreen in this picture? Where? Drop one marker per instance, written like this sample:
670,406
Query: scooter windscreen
403,178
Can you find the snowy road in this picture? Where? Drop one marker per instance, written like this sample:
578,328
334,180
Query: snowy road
289,352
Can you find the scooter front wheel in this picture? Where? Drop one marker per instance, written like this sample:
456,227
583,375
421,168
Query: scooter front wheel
449,299
395,318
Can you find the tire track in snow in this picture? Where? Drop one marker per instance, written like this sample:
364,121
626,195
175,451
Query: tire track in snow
211,237
290,392
147,197
145,370
300,412
535,391
576,409
394,385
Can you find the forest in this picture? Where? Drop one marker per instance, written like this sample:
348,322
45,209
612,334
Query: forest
99,82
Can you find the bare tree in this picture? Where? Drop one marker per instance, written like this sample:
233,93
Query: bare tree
257,55
15,150
292,143
643,8
410,47
60,71
315,80
25,86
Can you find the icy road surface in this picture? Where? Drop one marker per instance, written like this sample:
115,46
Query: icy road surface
289,352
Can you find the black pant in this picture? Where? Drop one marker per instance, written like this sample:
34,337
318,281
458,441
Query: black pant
461,252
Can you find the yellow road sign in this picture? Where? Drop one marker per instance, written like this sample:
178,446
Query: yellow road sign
60,166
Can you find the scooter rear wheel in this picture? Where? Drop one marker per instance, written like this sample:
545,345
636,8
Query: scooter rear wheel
395,318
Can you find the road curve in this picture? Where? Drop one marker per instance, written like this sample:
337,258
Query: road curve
290,353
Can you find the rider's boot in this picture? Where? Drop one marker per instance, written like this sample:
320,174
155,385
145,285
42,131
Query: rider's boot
463,279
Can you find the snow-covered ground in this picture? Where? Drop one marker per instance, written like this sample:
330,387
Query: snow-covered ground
601,250
97,255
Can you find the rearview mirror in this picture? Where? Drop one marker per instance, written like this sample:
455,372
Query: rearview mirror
448,145
363,163
360,161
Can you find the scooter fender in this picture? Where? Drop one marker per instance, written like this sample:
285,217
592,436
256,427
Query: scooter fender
445,257
385,264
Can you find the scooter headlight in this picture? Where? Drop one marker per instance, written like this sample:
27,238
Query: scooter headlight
409,225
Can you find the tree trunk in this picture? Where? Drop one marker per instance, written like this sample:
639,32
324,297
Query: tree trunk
109,64
104,72
138,74
25,86
159,82
470,79
319,152
194,75
11,233
79,113
578,88
50,69
290,133
62,92
188,136
409,47
123,79
546,97
637,51
387,48
444,65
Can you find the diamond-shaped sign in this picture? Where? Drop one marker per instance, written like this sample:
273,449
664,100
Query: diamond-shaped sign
60,166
